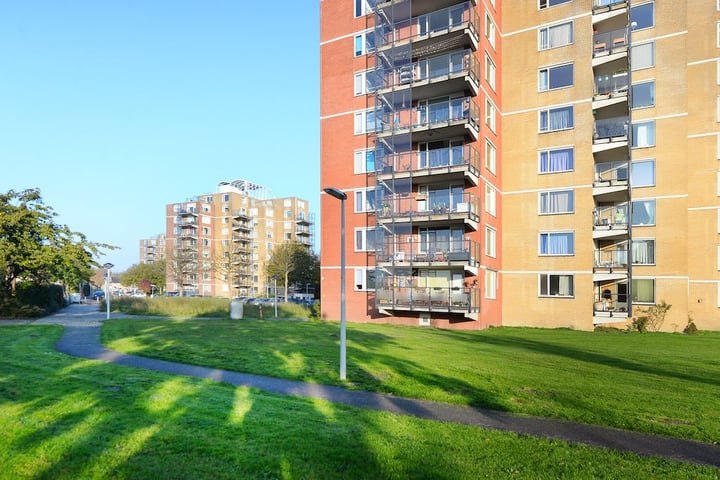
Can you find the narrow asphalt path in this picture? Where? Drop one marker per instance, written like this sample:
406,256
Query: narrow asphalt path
82,339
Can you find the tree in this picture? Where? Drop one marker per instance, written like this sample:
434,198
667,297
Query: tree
35,248
181,266
293,264
147,274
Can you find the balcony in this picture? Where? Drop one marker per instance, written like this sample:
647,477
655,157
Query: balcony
610,43
418,6
302,219
609,307
461,300
457,161
436,206
186,213
600,6
611,181
456,26
610,133
435,76
611,259
610,221
406,250
458,116
610,89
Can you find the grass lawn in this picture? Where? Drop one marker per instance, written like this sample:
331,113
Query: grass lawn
68,418
659,383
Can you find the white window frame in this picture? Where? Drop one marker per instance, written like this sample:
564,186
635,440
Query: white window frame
550,193
655,211
490,114
634,54
651,81
365,8
546,32
360,283
543,4
632,176
654,251
362,197
550,234
361,235
360,79
491,277
548,71
634,136
490,199
490,30
360,160
491,71
548,279
549,112
491,155
360,122
548,152
490,241
364,50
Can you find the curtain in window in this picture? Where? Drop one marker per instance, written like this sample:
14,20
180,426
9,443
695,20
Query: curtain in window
642,252
556,160
557,202
561,118
556,243
644,134
643,290
565,286
560,34
643,56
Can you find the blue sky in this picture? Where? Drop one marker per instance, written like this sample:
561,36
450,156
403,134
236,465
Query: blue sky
114,109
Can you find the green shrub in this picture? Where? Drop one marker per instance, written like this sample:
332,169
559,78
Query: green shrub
32,301
651,318
690,328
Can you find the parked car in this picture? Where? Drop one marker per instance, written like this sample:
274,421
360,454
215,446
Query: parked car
98,295
75,298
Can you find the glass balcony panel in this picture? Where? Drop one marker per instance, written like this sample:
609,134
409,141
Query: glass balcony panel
423,159
614,216
610,84
609,128
607,42
419,27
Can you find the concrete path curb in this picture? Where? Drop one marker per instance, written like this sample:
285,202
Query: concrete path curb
82,339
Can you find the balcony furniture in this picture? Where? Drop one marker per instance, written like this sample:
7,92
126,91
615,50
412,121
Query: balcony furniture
399,257
618,42
600,46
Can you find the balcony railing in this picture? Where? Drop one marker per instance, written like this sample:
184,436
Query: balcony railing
238,214
437,204
612,84
244,226
611,129
408,249
446,299
610,305
450,65
431,161
610,218
431,115
608,42
457,17
611,173
607,3
612,259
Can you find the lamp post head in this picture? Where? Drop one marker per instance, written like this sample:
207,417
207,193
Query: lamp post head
335,192
108,266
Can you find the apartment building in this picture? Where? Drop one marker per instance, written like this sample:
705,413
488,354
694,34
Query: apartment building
545,163
152,250
218,243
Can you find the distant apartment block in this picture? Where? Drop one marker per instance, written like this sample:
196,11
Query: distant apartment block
152,249
546,163
218,243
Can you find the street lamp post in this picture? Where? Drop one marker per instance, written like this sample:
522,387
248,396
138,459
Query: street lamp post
107,266
275,292
342,196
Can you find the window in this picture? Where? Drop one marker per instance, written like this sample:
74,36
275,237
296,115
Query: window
643,94
491,153
643,290
363,7
555,36
490,114
490,241
365,201
364,279
490,29
550,3
553,119
365,239
560,201
643,134
367,82
365,122
551,78
643,213
490,71
643,56
554,285
490,283
643,252
642,16
490,199
643,173
558,160
557,243
364,43
364,161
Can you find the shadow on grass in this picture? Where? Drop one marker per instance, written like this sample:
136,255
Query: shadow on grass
85,419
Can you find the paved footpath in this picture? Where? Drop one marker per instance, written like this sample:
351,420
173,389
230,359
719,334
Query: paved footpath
82,339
